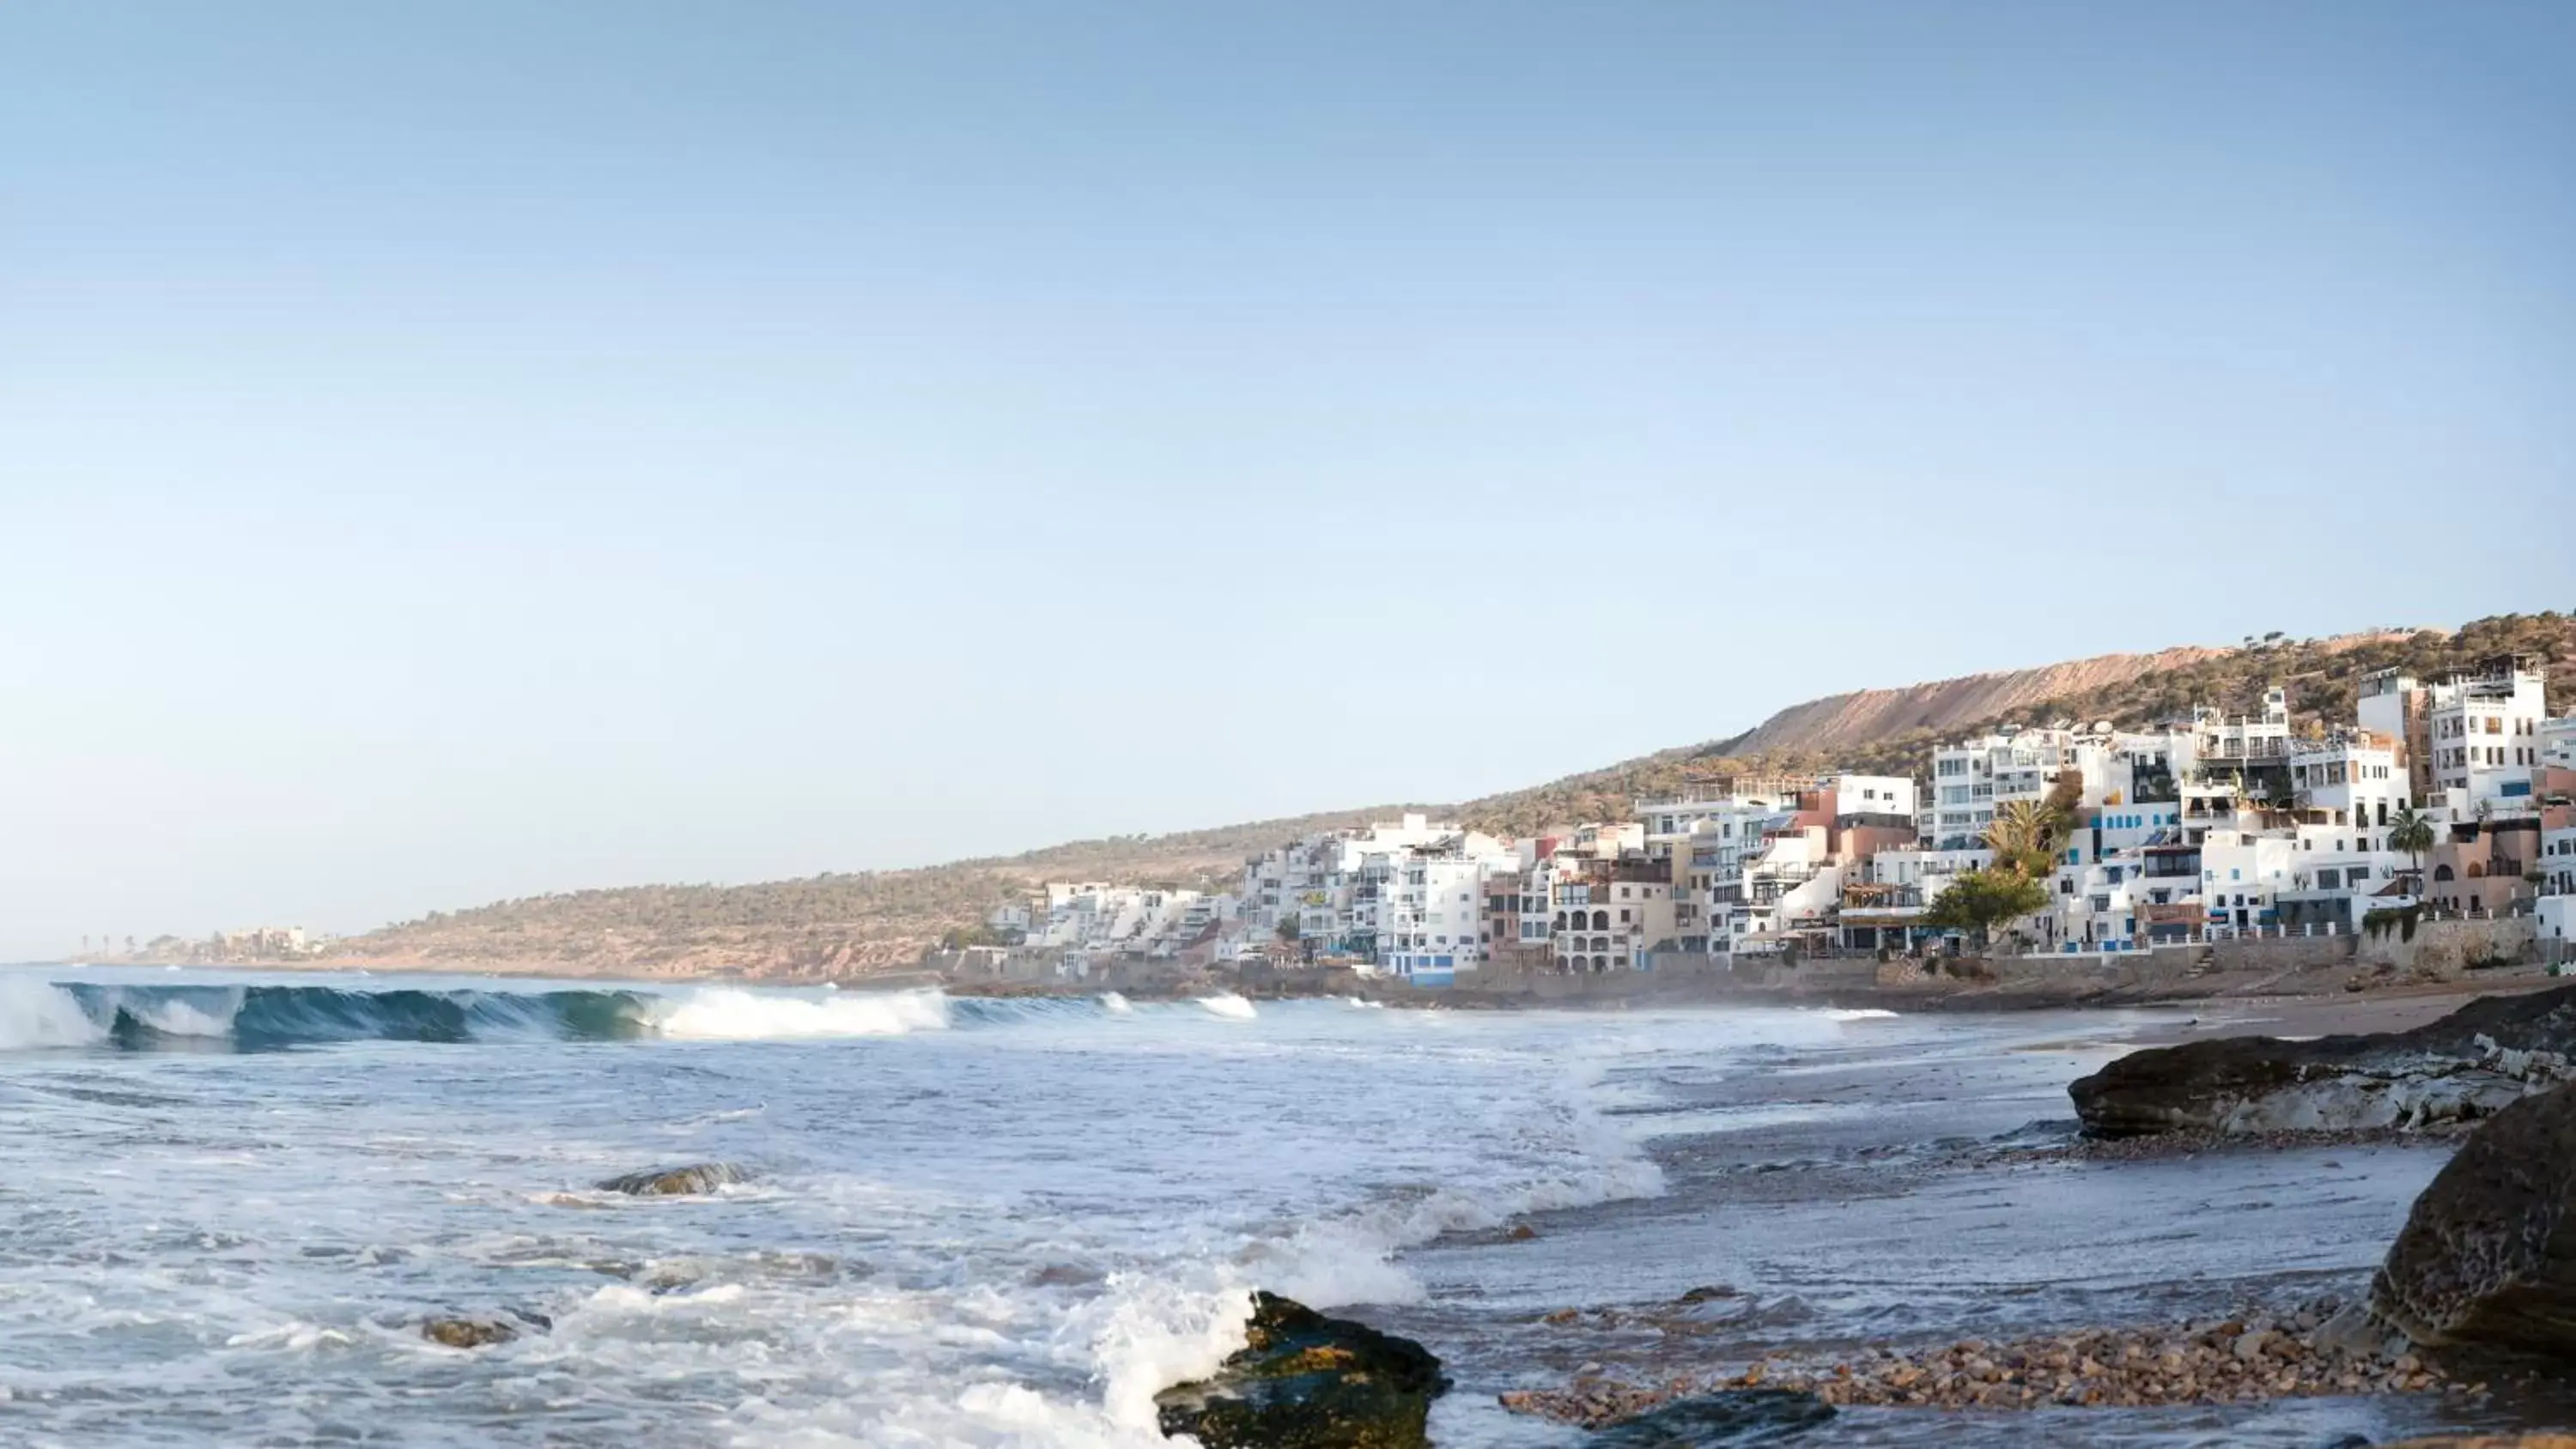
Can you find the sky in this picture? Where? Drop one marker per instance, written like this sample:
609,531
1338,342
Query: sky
460,451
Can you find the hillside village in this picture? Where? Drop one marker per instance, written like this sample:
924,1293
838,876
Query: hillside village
1154,897
2436,796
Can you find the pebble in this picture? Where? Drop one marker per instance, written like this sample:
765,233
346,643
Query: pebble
2193,1142
2247,1356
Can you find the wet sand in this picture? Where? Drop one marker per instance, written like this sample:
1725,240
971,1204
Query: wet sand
2382,1009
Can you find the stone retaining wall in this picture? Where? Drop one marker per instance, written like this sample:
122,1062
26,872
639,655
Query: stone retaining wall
2443,950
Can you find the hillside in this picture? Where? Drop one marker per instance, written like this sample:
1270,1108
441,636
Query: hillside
852,924
1843,721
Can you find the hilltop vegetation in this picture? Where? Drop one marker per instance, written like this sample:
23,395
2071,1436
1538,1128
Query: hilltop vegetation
2322,675
852,924
1884,735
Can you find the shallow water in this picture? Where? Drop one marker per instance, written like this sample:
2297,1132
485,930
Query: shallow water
227,1202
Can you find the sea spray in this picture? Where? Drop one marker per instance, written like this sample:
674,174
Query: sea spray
1229,1006
35,1014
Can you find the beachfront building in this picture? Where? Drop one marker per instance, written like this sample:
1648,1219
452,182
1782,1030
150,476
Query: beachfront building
1667,823
2482,731
1532,931
1329,891
1763,868
2241,873
1096,916
2485,732
2485,867
1608,912
1431,925
1514,932
2230,765
2350,783
1972,779
2558,851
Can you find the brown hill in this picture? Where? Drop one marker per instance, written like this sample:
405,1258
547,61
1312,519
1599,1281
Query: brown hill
1841,721
850,924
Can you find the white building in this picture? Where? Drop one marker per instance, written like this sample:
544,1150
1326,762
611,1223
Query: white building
2480,731
2241,874
2558,856
2558,741
1094,916
1972,778
2485,731
2554,918
1334,886
1431,927
2351,782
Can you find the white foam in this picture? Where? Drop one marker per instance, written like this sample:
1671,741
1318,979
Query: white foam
732,1014
178,1018
1228,1005
1150,1330
37,1014
1360,1003
296,1336
1116,1005
1859,1013
1146,1334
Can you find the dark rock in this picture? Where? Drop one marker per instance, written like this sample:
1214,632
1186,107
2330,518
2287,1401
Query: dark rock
2470,1064
695,1179
2488,1255
1743,1416
1304,1381
2490,1441
467,1332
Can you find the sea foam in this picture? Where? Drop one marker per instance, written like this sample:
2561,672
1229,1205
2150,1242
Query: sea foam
730,1014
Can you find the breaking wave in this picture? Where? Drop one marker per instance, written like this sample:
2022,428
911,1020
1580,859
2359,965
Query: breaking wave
36,1015
1228,1005
732,1014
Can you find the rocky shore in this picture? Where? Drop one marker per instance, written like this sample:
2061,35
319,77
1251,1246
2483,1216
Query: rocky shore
2479,1286
2462,1068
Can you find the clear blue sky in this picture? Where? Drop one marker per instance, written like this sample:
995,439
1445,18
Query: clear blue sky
461,450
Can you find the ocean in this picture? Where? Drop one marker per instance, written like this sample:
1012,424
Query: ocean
228,1201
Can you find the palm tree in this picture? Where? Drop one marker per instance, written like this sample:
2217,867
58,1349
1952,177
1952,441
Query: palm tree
2023,836
2411,831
